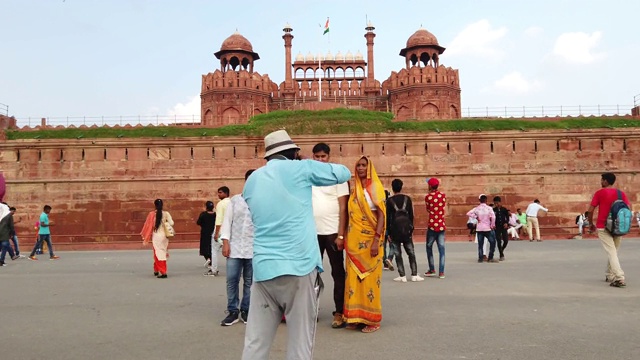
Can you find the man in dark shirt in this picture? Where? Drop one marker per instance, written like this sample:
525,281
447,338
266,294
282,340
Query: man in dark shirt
502,225
400,227
6,229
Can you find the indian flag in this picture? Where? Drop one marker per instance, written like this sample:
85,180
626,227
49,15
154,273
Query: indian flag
326,27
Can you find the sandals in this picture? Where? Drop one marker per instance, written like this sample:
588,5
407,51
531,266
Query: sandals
618,283
370,328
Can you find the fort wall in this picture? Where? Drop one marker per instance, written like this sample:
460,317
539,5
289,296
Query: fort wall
102,189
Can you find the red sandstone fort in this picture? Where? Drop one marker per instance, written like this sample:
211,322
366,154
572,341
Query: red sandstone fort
102,189
424,89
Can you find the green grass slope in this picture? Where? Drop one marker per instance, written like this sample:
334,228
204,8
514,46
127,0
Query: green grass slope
336,121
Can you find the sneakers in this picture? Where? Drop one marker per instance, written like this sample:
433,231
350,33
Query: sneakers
493,261
480,261
232,318
54,257
2,263
389,264
211,273
501,258
33,258
15,257
244,316
417,278
338,321
401,279
22,256
430,273
441,275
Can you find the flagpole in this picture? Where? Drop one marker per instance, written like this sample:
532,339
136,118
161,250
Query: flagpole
320,77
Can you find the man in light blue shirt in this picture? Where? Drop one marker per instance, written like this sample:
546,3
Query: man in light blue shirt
286,257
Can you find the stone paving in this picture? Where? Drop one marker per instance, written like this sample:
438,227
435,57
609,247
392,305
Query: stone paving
546,301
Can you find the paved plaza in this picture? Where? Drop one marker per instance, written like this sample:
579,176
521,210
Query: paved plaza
546,301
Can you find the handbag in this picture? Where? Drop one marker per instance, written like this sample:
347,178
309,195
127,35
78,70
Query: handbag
168,229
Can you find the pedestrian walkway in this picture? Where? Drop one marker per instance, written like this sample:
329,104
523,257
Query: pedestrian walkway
547,300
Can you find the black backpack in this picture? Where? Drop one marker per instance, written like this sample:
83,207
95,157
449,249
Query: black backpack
402,226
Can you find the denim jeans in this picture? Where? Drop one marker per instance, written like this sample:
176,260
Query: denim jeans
38,244
14,240
6,247
236,267
438,238
492,243
502,239
411,252
392,251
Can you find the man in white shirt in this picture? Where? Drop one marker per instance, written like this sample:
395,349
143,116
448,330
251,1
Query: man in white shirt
514,225
237,246
216,243
532,218
330,214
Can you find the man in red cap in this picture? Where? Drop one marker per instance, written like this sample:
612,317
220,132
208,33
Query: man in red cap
436,202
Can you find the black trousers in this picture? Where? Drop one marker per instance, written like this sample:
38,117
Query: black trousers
336,259
502,239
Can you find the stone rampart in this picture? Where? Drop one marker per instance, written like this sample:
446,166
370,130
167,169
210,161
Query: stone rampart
102,189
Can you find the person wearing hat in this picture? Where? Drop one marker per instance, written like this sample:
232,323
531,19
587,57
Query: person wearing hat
435,202
286,256
486,223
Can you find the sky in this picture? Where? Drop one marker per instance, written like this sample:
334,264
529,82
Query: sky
146,57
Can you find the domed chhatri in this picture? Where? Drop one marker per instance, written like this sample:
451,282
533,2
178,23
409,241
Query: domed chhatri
422,37
236,42
236,45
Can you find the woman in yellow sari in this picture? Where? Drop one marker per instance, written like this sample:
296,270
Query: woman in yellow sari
362,305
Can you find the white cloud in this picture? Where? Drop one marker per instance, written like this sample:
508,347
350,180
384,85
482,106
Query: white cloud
189,108
578,47
478,39
533,31
515,82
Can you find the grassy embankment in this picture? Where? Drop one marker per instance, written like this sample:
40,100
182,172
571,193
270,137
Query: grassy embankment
336,121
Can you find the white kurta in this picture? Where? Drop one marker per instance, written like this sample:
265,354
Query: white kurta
159,238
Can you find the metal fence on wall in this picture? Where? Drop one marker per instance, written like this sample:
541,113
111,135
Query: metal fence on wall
544,111
4,109
468,112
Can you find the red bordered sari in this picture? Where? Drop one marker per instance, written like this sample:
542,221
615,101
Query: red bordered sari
364,273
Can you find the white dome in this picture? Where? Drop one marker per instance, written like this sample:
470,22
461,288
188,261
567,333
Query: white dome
329,56
309,57
359,56
299,57
339,56
319,56
349,56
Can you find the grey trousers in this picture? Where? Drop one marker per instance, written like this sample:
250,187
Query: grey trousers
296,297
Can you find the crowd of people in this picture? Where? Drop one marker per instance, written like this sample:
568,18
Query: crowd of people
9,237
290,213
